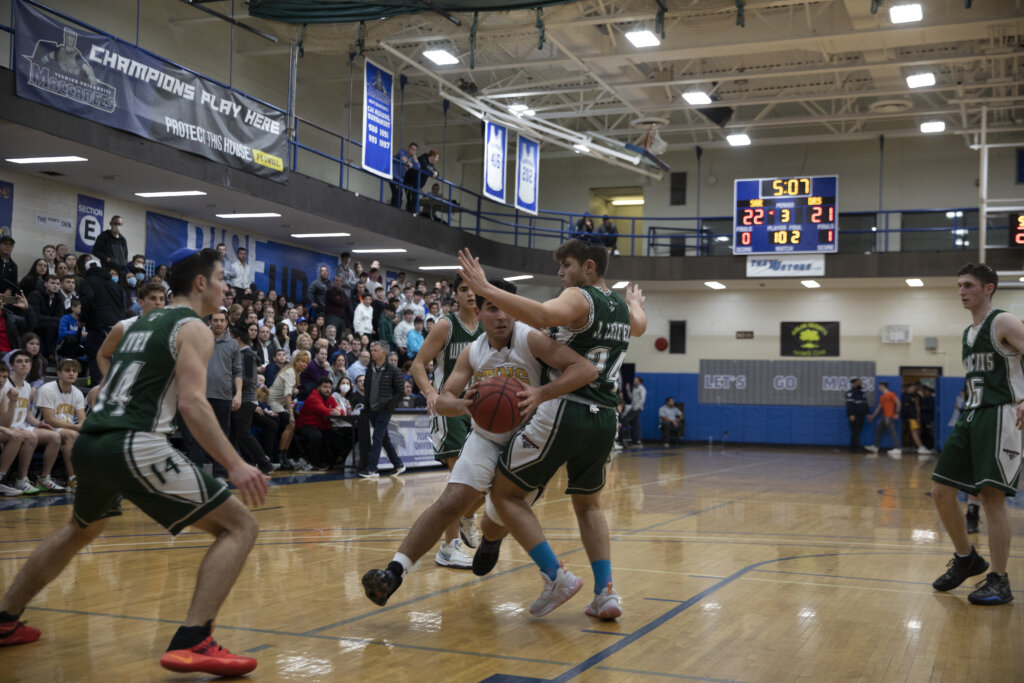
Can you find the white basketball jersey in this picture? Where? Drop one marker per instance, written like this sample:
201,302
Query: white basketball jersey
514,360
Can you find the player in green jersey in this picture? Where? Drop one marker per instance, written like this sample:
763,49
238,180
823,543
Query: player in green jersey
159,369
983,453
577,430
449,336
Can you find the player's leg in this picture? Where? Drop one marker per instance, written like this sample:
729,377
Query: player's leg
996,588
492,533
45,563
594,534
51,442
448,435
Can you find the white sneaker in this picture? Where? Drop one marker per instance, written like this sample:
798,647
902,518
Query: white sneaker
895,453
467,529
605,605
49,484
557,592
452,555
303,466
395,473
9,491
26,487
873,449
923,450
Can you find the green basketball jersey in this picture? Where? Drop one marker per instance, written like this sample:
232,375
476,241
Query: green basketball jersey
140,392
603,341
995,374
459,337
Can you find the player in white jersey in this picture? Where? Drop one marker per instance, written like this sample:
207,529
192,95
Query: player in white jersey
507,348
62,406
24,421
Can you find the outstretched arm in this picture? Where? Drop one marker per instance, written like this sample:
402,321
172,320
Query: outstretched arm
432,346
637,316
448,402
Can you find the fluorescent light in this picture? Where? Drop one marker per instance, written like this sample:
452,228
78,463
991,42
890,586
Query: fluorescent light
697,97
304,235
248,215
914,282
810,284
379,251
580,147
722,238
441,57
45,160
954,214
904,14
182,193
643,38
518,108
933,126
922,80
738,139
513,278
714,285
440,267
621,284
628,202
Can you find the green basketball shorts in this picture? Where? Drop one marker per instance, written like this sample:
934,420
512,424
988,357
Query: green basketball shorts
984,449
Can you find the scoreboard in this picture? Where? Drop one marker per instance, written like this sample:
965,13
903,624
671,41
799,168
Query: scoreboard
786,215
1016,224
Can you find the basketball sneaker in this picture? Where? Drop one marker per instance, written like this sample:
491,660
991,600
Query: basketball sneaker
48,484
396,472
605,605
994,590
18,632
557,592
380,584
207,657
26,487
452,555
872,449
895,453
9,490
959,570
486,556
468,532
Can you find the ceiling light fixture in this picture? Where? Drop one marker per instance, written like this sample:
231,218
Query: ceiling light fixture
45,160
628,202
933,126
304,235
440,267
714,285
182,193
810,284
513,278
738,139
697,98
905,14
581,148
441,57
915,282
622,284
268,214
379,251
921,80
643,38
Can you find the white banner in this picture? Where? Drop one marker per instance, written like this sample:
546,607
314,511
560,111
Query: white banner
527,174
495,137
788,265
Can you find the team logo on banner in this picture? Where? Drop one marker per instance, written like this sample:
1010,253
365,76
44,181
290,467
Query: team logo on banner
527,174
495,136
378,104
63,71
89,224
810,339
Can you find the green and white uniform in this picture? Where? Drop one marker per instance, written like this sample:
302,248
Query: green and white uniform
577,429
985,446
448,434
123,448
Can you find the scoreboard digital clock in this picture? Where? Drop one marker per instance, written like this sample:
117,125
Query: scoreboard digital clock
786,215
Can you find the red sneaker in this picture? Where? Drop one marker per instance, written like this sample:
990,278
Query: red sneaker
18,632
207,657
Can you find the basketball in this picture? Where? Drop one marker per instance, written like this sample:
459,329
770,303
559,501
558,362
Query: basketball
496,406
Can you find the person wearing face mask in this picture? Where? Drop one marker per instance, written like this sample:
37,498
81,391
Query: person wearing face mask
103,306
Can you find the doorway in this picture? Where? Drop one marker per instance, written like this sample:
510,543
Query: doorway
922,402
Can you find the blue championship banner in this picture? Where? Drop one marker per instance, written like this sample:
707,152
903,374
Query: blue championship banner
378,105
527,174
6,208
121,86
89,223
279,267
495,136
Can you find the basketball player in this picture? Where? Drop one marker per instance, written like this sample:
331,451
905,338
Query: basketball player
983,453
507,348
450,335
577,430
122,449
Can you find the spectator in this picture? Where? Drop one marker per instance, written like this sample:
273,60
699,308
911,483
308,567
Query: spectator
264,348
25,425
419,177
283,339
31,343
355,348
35,277
856,411
277,361
138,262
405,164
359,292
313,426
359,368
630,420
303,342
384,391
103,306
927,417
244,275
386,325
362,321
62,406
318,368
111,247
8,268
337,306
254,452
69,333
585,228
889,407
48,305
67,291
229,267
348,274
911,414
402,330
281,399
414,338
411,401
316,293
338,369
610,234
50,256
670,420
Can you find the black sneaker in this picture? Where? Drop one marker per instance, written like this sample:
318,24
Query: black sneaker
973,518
379,584
994,590
486,556
960,569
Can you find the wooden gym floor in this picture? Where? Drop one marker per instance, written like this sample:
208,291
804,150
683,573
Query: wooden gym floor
743,564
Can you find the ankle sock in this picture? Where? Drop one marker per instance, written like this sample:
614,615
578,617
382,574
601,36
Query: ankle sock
190,636
403,561
602,574
545,558
7,617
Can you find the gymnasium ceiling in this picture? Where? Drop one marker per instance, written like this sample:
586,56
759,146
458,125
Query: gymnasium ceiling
790,70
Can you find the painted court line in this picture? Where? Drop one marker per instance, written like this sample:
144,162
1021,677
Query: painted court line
660,674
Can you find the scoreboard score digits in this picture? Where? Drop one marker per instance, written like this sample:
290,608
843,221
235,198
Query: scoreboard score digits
785,215
1016,230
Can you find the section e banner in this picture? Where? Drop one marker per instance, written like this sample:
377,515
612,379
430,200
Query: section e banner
113,83
378,105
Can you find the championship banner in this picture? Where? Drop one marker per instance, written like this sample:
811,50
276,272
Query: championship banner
809,340
782,382
6,208
105,80
527,174
378,105
165,234
89,223
494,161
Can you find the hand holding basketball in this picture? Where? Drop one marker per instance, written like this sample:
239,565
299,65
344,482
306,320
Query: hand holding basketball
495,407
